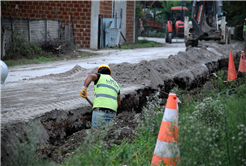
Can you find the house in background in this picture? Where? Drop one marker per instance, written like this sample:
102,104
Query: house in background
85,17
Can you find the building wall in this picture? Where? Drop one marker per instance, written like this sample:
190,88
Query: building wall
80,10
130,16
106,8
82,16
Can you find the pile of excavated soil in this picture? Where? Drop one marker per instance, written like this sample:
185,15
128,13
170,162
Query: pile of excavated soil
63,112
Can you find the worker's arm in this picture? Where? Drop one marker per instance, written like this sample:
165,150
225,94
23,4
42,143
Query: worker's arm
118,100
91,77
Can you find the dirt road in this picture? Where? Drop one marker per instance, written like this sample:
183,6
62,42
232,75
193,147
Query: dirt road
107,56
33,90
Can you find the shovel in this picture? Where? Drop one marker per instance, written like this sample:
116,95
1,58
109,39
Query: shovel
88,99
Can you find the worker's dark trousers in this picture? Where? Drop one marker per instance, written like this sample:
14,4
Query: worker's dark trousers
101,117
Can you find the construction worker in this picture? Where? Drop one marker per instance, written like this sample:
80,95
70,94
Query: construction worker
4,74
106,96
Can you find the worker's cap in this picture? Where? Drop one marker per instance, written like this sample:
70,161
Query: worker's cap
102,68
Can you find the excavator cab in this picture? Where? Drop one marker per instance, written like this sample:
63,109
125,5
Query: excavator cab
175,27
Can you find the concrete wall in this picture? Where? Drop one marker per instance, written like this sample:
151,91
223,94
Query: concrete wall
33,30
118,6
94,23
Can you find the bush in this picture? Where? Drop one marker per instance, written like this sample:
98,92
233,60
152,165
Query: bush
213,132
21,48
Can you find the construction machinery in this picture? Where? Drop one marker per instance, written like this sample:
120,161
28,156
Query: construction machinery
207,23
175,27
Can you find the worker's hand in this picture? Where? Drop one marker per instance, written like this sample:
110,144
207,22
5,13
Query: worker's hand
83,92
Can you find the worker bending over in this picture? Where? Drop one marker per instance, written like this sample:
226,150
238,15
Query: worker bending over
106,95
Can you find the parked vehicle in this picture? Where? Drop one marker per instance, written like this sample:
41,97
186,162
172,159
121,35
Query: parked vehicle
175,27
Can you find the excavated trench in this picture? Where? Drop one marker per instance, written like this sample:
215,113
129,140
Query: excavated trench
58,125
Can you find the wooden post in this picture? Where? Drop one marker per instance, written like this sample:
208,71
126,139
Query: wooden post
69,28
29,29
2,38
12,28
73,29
46,29
59,29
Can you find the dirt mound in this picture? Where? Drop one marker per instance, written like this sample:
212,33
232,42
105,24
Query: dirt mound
66,75
135,80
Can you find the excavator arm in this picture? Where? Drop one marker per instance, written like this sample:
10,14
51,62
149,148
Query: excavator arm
206,23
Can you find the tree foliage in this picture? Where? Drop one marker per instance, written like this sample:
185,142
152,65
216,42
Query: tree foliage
139,11
236,12
166,12
3,2
5,6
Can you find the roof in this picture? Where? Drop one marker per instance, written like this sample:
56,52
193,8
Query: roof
179,8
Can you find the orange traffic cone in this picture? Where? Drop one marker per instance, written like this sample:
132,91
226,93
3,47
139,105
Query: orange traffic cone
166,149
242,64
231,69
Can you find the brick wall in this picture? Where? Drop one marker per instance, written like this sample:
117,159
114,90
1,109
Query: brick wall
81,11
106,8
129,21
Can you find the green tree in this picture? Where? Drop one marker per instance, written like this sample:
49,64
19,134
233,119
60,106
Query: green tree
235,12
166,12
235,15
139,11
5,6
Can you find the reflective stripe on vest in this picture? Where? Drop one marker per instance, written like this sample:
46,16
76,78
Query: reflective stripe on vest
107,96
106,92
107,86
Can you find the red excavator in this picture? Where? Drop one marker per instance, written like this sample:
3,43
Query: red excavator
175,27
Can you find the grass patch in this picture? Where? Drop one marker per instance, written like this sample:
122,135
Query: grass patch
28,61
142,44
24,61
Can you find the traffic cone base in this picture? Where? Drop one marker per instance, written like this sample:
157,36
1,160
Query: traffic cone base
160,160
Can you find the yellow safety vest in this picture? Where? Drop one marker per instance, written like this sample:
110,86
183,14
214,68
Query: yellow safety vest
105,93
